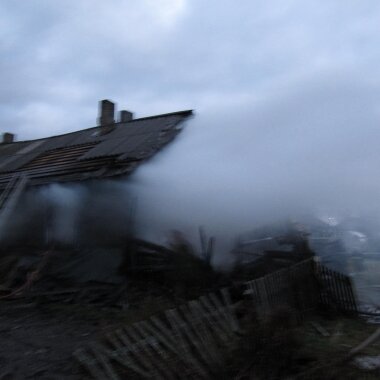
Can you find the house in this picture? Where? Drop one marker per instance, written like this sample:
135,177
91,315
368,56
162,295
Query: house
113,149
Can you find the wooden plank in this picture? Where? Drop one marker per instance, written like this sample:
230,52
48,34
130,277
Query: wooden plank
231,310
272,291
354,307
200,345
103,360
202,340
346,297
211,333
337,278
221,311
160,335
168,336
125,353
152,341
140,350
90,364
265,306
153,363
133,349
176,323
213,317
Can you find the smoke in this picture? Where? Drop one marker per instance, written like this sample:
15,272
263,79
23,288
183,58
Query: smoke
306,146
64,205
309,145
84,214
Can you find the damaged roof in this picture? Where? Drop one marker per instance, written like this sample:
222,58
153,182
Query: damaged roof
108,150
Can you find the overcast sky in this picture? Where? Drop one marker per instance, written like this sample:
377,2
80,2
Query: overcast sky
155,56
286,94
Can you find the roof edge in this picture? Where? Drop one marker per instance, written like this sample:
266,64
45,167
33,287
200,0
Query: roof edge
184,113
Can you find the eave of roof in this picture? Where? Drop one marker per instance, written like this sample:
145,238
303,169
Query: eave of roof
179,113
83,154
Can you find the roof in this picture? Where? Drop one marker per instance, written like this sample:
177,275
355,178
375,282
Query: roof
90,153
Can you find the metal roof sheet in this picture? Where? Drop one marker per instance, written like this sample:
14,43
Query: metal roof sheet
88,153
115,147
104,148
10,149
17,161
143,126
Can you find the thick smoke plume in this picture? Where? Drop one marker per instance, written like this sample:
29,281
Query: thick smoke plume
310,146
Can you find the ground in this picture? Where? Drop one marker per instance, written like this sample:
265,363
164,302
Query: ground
37,340
37,343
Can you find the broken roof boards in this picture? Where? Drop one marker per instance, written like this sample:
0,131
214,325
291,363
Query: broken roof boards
108,150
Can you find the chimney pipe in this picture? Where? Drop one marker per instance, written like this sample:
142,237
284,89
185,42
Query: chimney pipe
106,113
125,116
8,138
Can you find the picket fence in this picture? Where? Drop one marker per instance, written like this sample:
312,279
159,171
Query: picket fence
184,343
189,342
303,287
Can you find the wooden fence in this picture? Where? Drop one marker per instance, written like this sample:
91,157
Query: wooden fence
294,287
303,287
336,290
190,342
186,343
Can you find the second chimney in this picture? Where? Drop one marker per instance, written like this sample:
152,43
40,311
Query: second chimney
106,113
125,116
8,138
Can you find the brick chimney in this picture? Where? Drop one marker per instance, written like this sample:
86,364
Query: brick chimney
125,116
106,113
8,138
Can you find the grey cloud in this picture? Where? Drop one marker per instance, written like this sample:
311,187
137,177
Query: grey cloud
69,55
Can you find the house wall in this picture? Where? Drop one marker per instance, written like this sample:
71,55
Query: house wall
91,214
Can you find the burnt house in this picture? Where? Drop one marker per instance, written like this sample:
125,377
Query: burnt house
113,149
